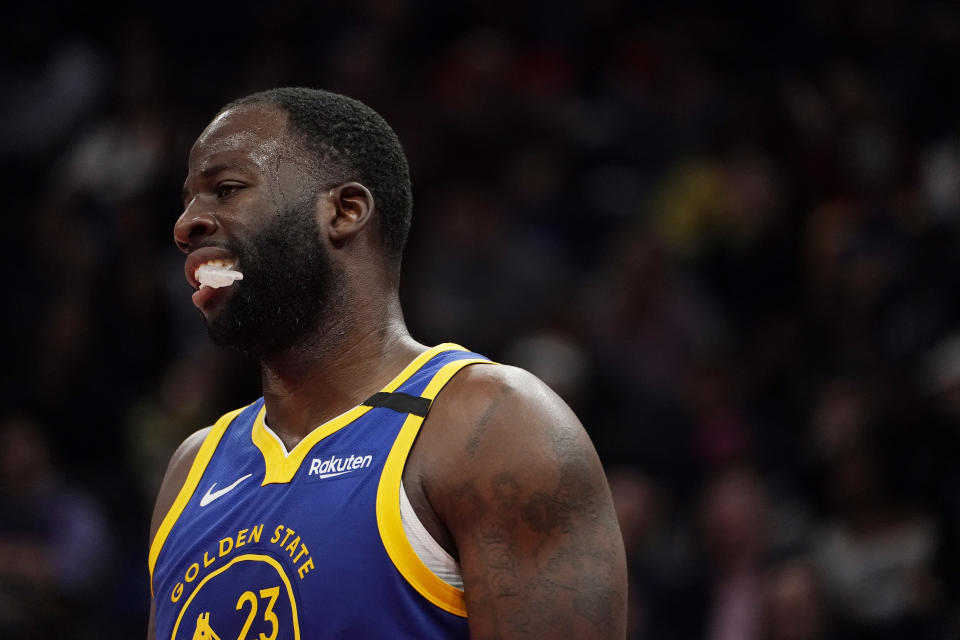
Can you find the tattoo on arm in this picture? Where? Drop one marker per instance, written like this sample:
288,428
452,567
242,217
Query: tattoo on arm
474,441
544,560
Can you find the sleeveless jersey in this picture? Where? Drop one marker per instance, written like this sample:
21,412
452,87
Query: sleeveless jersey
261,544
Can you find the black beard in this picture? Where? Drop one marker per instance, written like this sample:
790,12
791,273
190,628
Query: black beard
288,287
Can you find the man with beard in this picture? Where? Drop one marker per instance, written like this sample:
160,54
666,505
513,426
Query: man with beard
354,499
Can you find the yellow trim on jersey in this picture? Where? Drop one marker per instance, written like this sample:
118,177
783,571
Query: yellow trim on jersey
280,466
189,486
404,558
251,557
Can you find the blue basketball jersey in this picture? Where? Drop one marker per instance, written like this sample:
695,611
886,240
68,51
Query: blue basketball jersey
262,544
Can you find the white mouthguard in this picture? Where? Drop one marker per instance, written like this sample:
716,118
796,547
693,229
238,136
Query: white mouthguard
216,277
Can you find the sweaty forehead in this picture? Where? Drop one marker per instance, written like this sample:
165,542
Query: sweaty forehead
255,131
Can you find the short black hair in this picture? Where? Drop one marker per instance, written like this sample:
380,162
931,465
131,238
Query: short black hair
351,141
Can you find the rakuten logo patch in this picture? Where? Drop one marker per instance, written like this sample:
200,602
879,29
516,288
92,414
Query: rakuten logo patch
334,466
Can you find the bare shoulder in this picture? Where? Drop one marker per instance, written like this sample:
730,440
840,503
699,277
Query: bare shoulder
176,474
522,491
500,423
483,399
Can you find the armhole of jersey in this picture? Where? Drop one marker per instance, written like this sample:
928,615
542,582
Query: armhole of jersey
441,563
395,541
204,453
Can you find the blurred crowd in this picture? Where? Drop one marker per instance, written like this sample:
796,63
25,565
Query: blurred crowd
728,238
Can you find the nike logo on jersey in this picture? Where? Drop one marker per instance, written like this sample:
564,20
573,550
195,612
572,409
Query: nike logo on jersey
212,495
321,468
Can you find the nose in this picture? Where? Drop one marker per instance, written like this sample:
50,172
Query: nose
191,227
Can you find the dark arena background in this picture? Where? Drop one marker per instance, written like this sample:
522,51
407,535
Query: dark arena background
728,237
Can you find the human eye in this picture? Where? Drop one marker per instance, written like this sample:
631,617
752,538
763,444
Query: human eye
227,189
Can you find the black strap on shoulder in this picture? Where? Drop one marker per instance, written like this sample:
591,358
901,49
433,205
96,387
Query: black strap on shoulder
401,402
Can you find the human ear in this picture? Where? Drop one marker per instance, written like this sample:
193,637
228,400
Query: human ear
352,209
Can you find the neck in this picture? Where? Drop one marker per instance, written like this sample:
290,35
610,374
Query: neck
337,367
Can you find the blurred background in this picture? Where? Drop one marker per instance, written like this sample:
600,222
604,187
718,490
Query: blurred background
728,238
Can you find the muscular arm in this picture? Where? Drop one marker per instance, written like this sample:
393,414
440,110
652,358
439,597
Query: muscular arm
173,480
522,492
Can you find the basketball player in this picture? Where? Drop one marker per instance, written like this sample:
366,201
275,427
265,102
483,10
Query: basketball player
379,488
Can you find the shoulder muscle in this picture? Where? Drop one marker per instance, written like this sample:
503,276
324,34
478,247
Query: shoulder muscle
495,413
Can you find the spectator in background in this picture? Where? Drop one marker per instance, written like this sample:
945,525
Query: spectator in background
53,541
735,530
668,594
876,550
793,606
